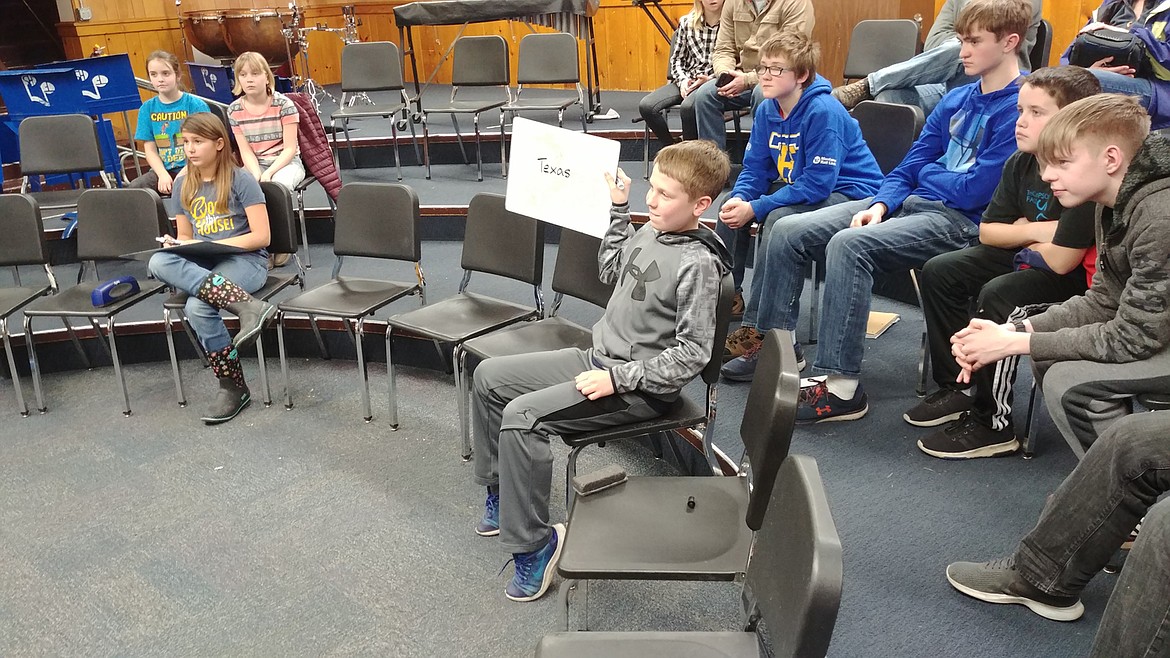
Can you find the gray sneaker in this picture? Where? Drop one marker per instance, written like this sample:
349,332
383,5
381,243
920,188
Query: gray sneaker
743,368
998,581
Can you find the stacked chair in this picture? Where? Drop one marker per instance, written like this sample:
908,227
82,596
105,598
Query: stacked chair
702,528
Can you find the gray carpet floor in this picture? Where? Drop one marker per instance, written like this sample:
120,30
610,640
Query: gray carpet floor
309,532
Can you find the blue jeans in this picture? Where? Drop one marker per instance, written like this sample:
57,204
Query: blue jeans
738,242
702,112
918,231
1115,83
248,271
1090,515
921,80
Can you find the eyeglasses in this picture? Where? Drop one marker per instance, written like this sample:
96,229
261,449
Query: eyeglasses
776,71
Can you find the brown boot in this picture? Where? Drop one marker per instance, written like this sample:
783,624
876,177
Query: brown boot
740,341
254,314
737,305
853,93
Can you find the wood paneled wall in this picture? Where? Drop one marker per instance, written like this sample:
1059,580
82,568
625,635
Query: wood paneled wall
632,56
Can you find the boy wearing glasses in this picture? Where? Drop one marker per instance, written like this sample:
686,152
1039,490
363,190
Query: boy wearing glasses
929,204
805,152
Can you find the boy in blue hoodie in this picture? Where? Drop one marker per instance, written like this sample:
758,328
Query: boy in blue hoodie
931,203
805,153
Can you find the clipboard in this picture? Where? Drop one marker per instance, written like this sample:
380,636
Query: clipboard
194,249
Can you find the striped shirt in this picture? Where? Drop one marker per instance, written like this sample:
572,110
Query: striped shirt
691,55
265,131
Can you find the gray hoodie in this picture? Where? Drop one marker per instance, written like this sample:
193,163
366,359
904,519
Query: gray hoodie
659,325
1122,318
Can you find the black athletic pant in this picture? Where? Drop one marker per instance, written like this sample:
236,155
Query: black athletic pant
951,281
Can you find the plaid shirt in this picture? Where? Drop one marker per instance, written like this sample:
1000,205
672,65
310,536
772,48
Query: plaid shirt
691,55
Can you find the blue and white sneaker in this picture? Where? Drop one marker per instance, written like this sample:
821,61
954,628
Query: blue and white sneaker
535,570
489,525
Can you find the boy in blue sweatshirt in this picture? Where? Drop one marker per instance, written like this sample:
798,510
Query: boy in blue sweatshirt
805,153
931,203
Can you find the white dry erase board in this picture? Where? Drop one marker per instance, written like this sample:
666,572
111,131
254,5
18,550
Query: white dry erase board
557,176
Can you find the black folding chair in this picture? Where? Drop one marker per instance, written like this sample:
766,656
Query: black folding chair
283,241
690,528
498,242
575,274
110,224
23,244
1042,49
548,59
59,144
374,220
793,585
478,62
367,68
683,414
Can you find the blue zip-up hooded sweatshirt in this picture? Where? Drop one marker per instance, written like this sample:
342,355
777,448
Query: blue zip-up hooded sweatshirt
958,159
816,150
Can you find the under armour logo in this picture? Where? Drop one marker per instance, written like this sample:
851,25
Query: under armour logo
642,276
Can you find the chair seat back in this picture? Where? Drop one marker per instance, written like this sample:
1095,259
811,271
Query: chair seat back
59,144
23,231
576,271
795,575
1042,49
548,59
371,66
281,218
378,220
480,62
498,241
114,222
876,44
768,419
889,129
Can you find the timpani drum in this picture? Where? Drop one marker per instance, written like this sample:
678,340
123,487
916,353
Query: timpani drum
260,31
204,31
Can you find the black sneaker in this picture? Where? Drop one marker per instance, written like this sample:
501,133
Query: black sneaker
999,582
943,406
818,405
967,438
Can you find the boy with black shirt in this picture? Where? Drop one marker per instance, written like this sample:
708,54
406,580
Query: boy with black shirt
1031,252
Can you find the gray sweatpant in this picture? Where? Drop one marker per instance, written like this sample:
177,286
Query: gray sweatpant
518,403
1085,397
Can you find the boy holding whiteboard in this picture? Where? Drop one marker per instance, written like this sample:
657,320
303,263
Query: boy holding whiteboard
655,337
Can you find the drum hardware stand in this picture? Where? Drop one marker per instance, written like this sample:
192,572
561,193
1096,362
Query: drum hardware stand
303,82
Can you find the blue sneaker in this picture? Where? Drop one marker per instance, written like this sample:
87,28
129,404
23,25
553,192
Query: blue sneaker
535,570
489,525
743,368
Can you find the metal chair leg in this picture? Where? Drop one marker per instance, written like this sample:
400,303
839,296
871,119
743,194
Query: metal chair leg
365,372
459,138
76,344
304,226
33,366
814,305
478,150
180,397
503,148
461,391
646,150
426,144
394,138
263,371
924,354
1029,447
12,368
118,367
391,384
288,403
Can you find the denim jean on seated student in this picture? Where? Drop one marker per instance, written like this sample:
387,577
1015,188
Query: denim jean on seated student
248,271
919,230
1115,83
921,80
702,111
738,242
